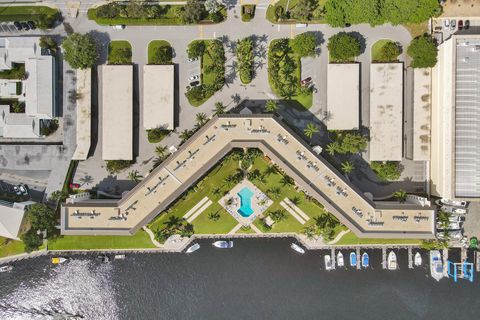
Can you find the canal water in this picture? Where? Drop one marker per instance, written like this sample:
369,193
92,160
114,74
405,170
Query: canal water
257,279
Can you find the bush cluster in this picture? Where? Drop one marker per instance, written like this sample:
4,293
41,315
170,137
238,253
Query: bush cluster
245,59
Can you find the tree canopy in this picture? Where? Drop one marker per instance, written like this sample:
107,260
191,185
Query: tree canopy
423,51
304,44
389,52
193,11
303,10
339,13
386,171
343,47
196,49
80,51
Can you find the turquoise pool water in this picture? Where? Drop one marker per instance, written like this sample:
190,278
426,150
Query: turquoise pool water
245,202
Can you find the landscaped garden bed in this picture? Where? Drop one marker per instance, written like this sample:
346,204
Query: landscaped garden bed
385,50
157,135
296,11
245,59
119,52
212,58
284,69
140,13
248,12
159,52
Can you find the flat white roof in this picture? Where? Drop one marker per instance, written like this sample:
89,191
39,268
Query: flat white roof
422,105
386,111
343,96
117,112
84,114
158,96
11,216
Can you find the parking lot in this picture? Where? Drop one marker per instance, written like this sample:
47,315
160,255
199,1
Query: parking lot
443,28
17,27
194,72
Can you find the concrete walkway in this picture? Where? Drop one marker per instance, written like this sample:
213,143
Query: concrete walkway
199,211
235,229
339,236
152,237
254,228
292,212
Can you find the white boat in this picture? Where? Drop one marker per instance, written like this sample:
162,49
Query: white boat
103,258
417,261
453,210
297,248
453,203
450,235
392,261
449,226
436,265
119,257
193,248
223,244
58,260
328,262
353,259
6,268
365,260
340,261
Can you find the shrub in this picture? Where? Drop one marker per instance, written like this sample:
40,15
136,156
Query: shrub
156,135
304,44
116,166
47,127
343,47
389,52
423,51
248,12
162,55
245,59
80,51
387,170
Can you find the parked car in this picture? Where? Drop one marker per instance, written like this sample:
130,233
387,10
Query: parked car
23,189
305,81
17,191
467,24
32,25
25,26
119,27
74,186
18,25
192,59
194,83
446,24
195,77
453,24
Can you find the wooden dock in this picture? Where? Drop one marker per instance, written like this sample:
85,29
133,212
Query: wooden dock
384,257
332,254
410,258
357,251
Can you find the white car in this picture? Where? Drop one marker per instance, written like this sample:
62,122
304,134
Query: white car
446,24
192,59
17,191
119,27
23,189
195,77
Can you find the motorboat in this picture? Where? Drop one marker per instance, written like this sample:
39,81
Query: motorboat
392,261
436,265
456,218
119,257
417,260
453,210
297,248
328,262
452,203
353,259
6,268
365,260
450,235
58,260
340,261
223,244
103,258
193,248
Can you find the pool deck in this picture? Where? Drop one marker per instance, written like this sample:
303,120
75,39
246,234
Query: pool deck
257,198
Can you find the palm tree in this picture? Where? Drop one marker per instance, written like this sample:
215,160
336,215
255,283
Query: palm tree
271,106
173,221
201,118
134,176
161,151
332,148
286,181
184,135
347,167
274,193
270,170
400,195
86,179
296,200
310,130
219,108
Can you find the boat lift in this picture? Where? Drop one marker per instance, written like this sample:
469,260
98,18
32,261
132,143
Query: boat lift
463,270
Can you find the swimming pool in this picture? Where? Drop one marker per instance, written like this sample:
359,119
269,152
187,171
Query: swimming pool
245,202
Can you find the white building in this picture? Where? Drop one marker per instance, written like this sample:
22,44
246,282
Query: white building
386,112
11,218
36,92
158,97
343,96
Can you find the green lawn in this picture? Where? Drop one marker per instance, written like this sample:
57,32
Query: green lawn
42,15
153,46
203,225
245,231
377,47
300,100
170,17
119,52
139,240
351,239
10,247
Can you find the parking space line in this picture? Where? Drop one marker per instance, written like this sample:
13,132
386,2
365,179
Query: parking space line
200,31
